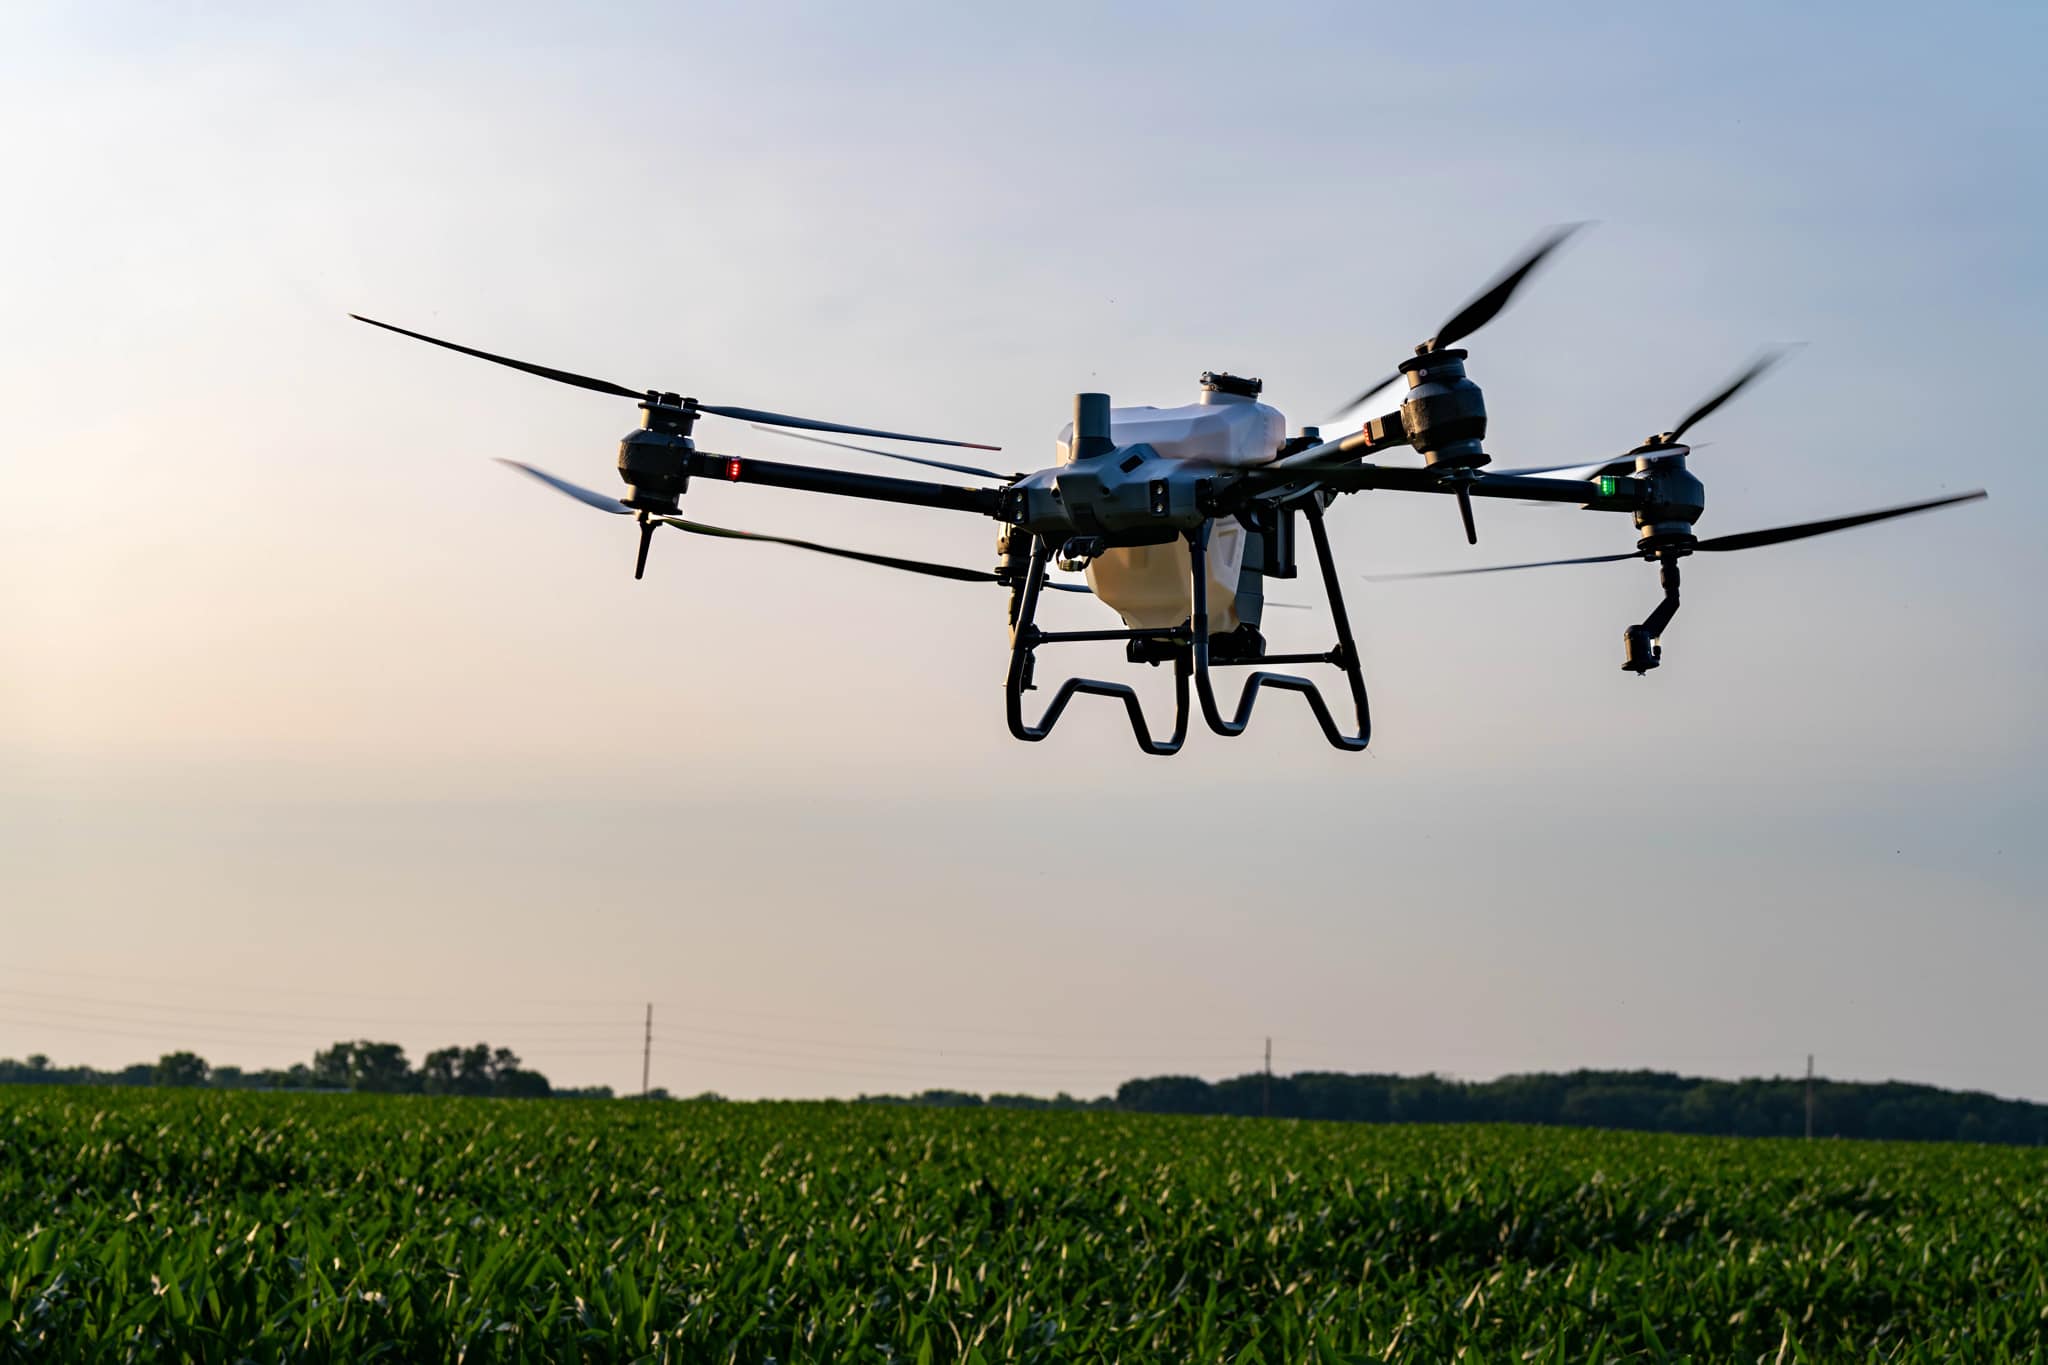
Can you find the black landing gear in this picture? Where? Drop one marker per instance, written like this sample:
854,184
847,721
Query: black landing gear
1191,650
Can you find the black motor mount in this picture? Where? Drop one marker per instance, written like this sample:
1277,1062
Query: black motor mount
1444,413
655,460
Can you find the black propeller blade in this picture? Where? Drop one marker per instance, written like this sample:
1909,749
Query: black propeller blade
581,381
1593,469
1672,440
886,561
1741,381
1741,540
891,455
1369,392
584,381
1778,535
1487,305
923,566
1484,306
1501,568
586,496
809,424
590,498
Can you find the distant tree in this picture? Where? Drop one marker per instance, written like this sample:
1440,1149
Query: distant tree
948,1099
439,1070
380,1067
38,1062
181,1068
1168,1095
480,1069
332,1066
518,1084
474,1071
364,1065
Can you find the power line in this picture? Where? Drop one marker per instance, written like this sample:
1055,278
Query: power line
285,1024
215,1035
172,1007
216,988
295,991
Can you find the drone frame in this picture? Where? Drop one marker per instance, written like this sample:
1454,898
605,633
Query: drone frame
1442,416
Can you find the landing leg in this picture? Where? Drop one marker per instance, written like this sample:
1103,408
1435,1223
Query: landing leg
1025,637
1344,654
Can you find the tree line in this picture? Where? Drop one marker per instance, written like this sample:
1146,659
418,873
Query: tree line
363,1065
1653,1101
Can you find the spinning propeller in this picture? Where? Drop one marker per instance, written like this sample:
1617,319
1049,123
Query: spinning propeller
1742,540
1443,414
658,398
1481,309
974,470
653,461
1666,542
592,498
1666,444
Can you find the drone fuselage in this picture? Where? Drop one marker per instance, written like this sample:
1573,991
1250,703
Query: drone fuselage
1133,483
1179,514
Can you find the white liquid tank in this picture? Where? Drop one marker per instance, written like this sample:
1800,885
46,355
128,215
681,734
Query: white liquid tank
1149,585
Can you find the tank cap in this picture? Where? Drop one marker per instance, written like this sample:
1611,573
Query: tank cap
1219,381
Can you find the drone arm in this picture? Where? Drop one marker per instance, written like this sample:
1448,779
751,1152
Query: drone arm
1381,433
1262,483
707,464
1485,485
1358,477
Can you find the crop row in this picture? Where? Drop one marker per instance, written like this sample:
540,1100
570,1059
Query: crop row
230,1227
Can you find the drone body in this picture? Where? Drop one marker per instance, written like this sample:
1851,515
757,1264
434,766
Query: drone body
1180,515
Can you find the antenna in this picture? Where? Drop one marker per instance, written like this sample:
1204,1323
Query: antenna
1809,1096
647,1050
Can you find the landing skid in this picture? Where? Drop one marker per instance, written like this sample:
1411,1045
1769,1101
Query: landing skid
1191,659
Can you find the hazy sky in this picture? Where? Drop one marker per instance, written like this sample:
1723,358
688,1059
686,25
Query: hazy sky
314,723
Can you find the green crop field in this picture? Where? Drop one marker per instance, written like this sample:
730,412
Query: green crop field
161,1225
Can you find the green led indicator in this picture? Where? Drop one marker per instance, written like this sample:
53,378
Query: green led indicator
1608,483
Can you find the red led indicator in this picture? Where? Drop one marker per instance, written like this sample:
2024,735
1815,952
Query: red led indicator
732,468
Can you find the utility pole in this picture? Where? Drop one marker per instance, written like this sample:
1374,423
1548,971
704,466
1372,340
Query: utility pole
1266,1084
647,1050
1809,1096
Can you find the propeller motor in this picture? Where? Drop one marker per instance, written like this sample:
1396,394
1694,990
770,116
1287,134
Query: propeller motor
1444,413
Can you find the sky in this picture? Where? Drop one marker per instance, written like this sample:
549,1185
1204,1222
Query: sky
316,724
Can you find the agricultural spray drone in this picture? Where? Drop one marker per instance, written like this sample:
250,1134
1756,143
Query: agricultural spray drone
1178,516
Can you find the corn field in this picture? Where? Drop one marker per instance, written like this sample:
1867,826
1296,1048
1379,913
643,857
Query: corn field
143,1225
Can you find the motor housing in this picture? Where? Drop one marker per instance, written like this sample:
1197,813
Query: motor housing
655,460
1673,499
1444,412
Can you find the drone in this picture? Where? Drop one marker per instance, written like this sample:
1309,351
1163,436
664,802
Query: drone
1178,516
